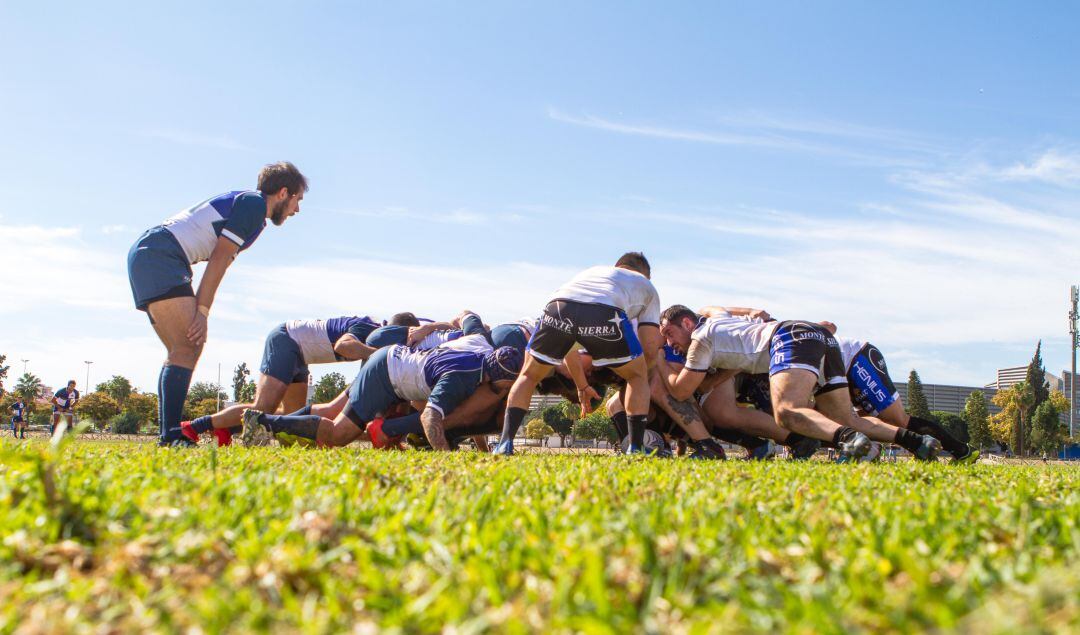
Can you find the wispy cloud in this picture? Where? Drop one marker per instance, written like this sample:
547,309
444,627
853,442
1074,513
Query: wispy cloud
115,229
460,216
1053,166
776,136
187,138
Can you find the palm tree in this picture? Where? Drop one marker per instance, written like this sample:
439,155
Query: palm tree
29,387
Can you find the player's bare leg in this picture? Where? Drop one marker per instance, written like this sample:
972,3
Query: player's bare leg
532,373
172,318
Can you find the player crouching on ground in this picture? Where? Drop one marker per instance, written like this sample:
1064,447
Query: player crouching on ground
441,378
803,360
876,397
290,348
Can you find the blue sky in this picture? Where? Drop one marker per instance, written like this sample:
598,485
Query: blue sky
911,172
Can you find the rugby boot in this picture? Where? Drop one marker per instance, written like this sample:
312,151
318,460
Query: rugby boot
804,449
254,433
505,448
928,449
189,432
380,439
855,449
970,458
763,452
706,450
874,453
224,436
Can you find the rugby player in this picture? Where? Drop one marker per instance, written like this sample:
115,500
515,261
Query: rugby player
803,360
871,389
465,332
439,379
63,403
595,309
290,348
18,418
875,396
159,270
739,410
684,415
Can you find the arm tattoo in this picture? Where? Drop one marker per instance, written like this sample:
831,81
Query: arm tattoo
433,429
685,410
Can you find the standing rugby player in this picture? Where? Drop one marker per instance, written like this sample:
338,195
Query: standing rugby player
63,403
18,418
594,309
159,270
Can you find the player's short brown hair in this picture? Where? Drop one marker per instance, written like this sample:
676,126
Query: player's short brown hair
676,312
404,319
279,175
635,261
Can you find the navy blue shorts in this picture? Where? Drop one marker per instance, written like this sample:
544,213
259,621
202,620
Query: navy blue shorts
510,335
158,268
282,358
871,388
808,346
15,420
371,393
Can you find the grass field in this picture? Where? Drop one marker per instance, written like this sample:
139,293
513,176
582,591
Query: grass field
127,537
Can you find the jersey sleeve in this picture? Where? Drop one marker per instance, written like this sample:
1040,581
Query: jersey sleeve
651,313
699,354
360,330
451,389
473,325
246,218
387,336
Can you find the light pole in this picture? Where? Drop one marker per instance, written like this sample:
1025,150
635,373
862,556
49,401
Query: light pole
1074,297
87,389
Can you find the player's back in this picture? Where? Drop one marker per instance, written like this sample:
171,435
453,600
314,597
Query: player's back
612,286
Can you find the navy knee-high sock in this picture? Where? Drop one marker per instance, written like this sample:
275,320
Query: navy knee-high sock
173,383
951,444
302,427
512,423
398,426
636,424
622,428
202,424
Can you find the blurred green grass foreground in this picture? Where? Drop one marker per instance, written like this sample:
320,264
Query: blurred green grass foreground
133,538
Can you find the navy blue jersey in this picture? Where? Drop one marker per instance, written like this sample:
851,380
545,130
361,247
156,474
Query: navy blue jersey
18,409
358,327
66,399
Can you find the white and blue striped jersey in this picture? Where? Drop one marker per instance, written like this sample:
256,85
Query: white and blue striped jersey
239,216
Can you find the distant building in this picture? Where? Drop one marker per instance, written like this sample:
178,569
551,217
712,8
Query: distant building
1065,386
1009,377
949,398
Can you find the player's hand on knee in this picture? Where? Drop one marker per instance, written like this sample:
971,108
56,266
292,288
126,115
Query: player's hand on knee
197,330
